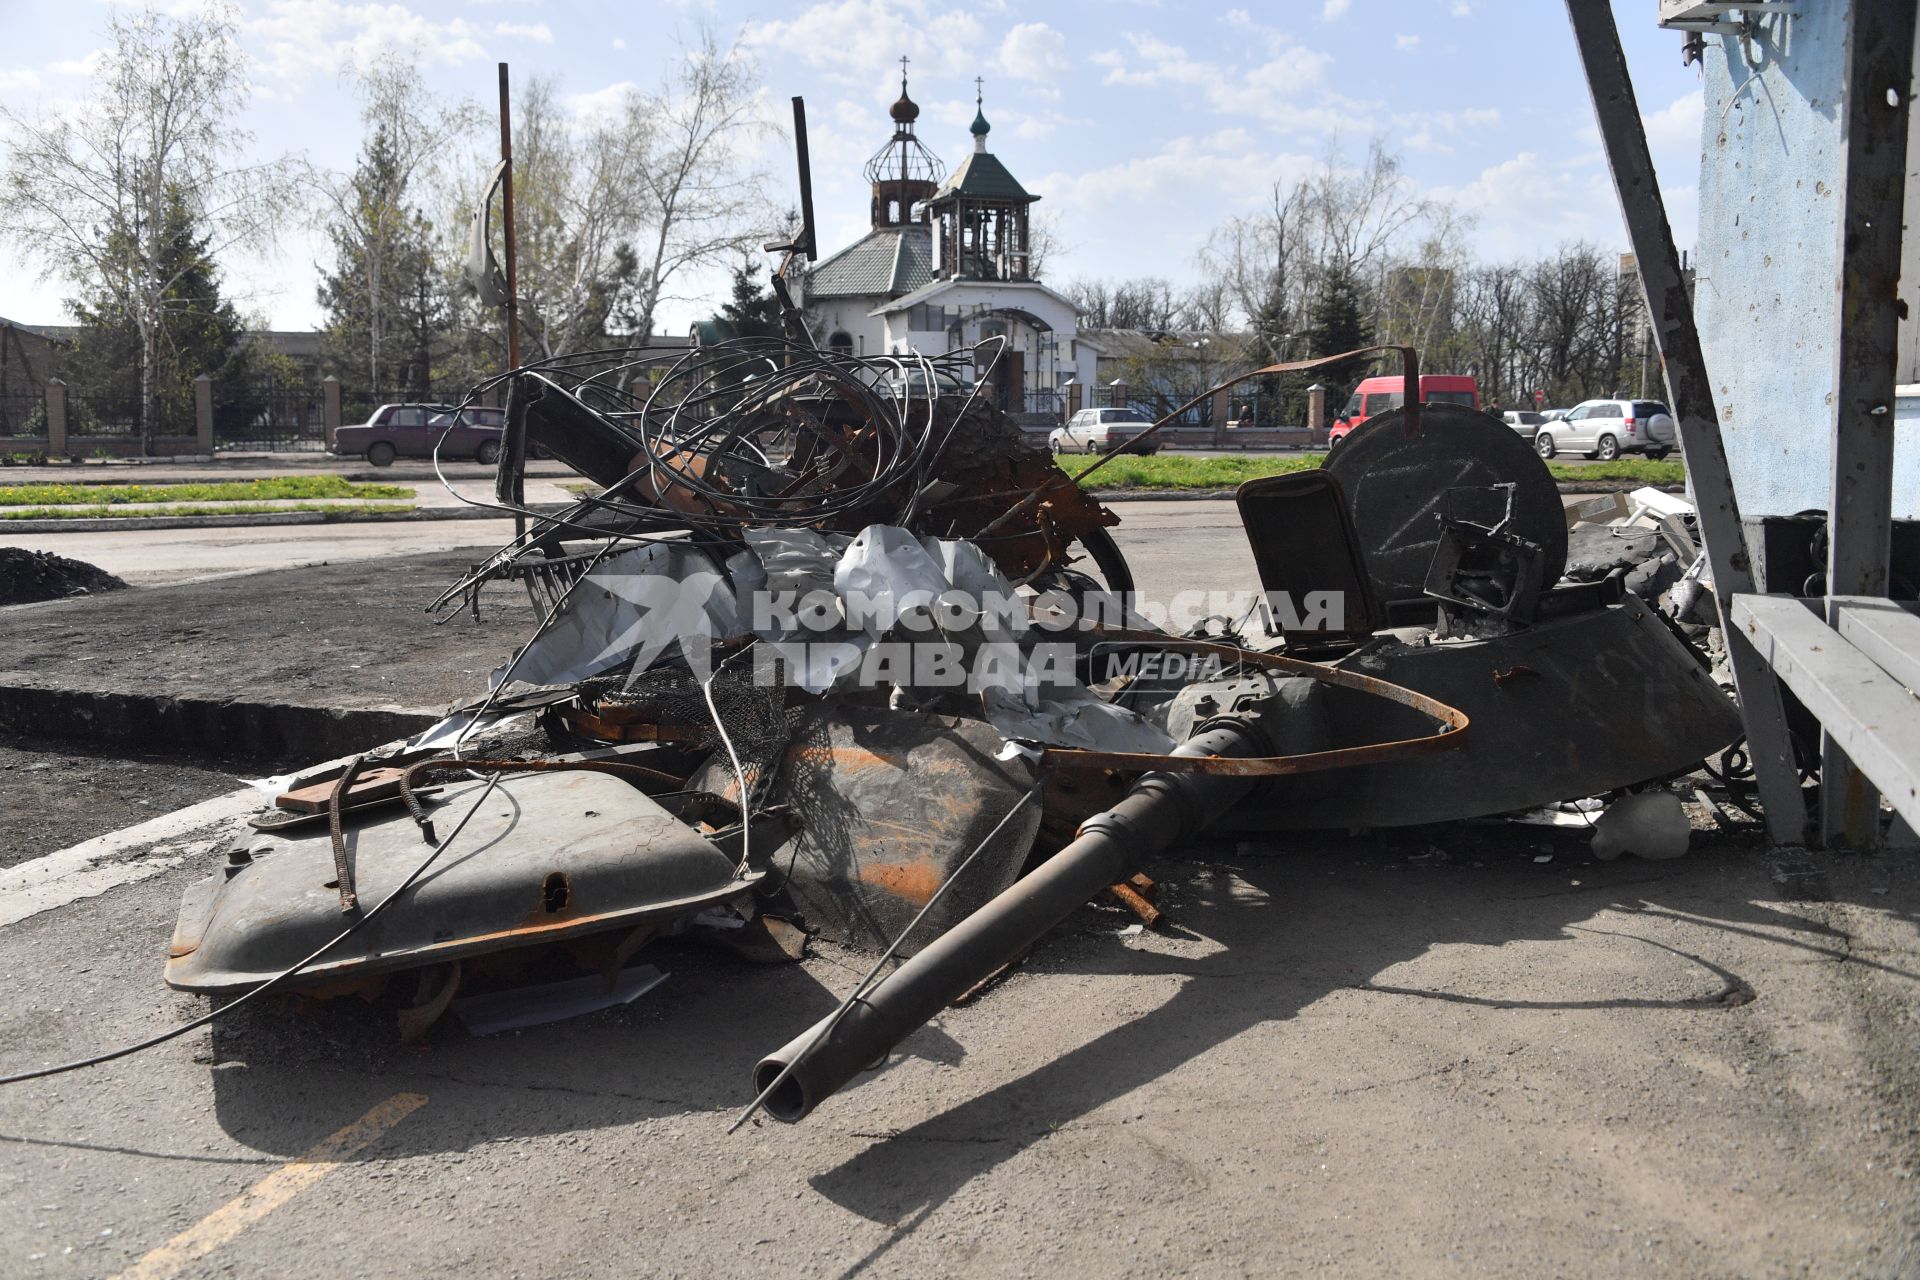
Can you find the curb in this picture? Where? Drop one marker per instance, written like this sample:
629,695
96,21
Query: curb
218,729
266,519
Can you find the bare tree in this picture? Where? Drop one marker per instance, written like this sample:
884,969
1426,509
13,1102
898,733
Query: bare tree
577,209
703,205
1148,302
1265,263
88,192
1417,297
1362,213
611,211
1575,297
1044,241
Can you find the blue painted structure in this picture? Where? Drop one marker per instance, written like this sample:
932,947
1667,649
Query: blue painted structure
1767,293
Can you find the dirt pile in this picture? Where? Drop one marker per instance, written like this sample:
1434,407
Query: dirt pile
27,576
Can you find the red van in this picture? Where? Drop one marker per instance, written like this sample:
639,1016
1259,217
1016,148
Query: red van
1377,395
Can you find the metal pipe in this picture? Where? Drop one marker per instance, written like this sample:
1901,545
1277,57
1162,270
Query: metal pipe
1161,810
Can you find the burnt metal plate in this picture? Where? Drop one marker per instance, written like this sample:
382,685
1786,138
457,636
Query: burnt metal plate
1300,529
546,857
1397,487
889,804
1569,707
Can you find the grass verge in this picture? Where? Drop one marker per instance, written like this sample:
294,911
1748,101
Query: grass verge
332,510
278,489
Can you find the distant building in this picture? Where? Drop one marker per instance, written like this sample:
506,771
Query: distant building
26,358
1642,353
947,263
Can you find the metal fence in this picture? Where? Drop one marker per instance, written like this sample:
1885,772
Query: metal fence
23,413
116,416
269,415
1048,404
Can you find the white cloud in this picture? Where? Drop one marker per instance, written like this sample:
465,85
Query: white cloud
1406,42
1290,89
538,32
1676,125
619,42
1461,9
298,39
19,78
1230,162
1034,51
600,104
82,66
1426,131
1333,9
850,39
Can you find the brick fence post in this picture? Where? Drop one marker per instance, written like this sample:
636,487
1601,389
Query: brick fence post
56,418
1117,389
1317,413
1220,411
330,394
203,413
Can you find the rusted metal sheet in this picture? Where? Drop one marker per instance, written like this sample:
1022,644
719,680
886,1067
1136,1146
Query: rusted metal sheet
545,858
888,803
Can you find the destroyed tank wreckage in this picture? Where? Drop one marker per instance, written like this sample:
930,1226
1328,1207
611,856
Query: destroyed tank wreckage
697,734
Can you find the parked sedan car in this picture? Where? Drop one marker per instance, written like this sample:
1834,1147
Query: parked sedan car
1525,421
1103,431
412,430
1605,429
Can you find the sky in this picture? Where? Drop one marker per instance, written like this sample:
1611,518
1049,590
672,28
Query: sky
1141,124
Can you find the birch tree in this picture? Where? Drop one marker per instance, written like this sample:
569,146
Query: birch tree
87,192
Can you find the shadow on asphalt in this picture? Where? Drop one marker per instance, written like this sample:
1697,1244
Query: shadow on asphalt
1287,942
1289,934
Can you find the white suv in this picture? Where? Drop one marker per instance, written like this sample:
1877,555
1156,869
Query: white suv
1102,431
1605,429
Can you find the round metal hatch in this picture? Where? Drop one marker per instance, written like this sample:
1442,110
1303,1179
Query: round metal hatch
1398,484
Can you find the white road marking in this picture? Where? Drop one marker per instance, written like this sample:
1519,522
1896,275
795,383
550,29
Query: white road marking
94,866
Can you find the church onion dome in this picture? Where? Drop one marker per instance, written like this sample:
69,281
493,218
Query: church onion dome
979,128
906,110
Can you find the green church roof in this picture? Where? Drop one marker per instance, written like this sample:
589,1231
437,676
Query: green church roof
981,176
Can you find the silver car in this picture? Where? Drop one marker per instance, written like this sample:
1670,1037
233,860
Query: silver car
1605,429
1524,421
1103,431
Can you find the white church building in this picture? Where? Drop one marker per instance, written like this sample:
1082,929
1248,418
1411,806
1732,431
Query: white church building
946,264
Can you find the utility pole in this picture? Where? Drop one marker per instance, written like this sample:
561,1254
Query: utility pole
513,278
506,217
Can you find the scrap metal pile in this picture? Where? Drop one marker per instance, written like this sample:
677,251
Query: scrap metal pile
830,648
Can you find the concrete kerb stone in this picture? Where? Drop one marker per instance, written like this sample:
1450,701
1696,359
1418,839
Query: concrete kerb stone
228,729
265,519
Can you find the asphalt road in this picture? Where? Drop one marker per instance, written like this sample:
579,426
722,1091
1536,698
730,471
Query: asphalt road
1460,1050
1182,543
